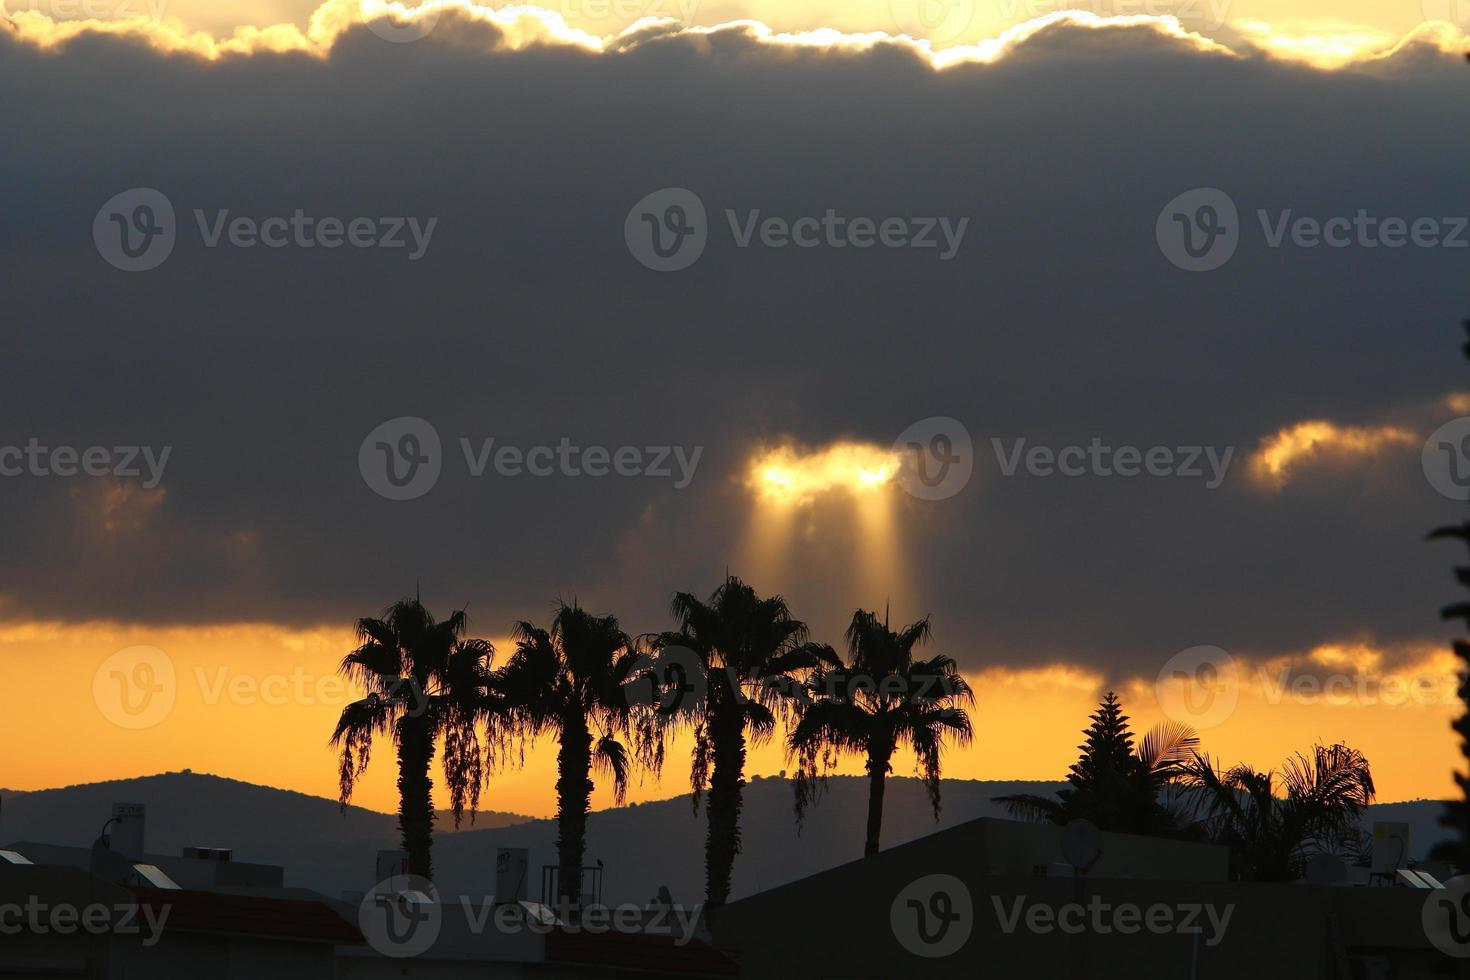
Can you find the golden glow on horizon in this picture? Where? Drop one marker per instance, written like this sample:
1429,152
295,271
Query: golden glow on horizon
1319,440
257,702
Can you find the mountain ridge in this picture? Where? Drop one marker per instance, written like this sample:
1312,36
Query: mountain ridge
641,846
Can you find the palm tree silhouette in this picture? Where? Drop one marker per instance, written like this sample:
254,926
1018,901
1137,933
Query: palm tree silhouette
1113,785
754,656
422,679
880,700
1271,837
1456,815
570,681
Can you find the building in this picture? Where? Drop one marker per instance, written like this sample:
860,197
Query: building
997,899
114,911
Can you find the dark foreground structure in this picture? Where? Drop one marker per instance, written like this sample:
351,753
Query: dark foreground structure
986,899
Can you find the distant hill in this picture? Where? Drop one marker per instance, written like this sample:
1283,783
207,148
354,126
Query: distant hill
644,846
641,846
319,845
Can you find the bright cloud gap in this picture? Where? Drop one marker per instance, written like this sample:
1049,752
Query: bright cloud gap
787,474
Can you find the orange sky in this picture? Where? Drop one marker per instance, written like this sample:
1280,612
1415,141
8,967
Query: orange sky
258,702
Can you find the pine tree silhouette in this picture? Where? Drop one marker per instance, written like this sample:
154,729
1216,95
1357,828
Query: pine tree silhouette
1108,751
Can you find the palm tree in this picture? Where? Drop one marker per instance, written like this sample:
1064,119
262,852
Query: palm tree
753,655
1456,816
880,700
422,679
1271,837
570,681
1113,785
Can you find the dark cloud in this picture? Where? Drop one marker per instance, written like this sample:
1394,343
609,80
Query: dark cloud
528,320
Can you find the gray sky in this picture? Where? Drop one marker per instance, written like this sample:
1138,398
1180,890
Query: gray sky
1058,319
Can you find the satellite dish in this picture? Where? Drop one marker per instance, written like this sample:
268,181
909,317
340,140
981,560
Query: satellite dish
1081,844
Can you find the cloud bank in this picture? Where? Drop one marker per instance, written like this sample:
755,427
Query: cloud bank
529,321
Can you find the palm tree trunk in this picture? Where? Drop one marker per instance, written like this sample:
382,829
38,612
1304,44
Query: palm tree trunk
877,776
726,787
415,793
573,800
